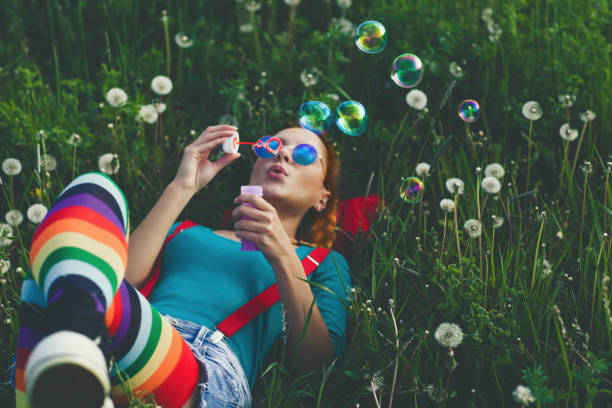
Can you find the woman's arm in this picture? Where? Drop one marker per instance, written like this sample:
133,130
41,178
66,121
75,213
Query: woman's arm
195,171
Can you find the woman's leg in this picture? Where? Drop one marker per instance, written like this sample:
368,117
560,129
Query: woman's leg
78,258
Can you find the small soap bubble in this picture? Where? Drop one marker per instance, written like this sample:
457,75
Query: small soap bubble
371,37
407,70
411,190
315,116
469,110
351,118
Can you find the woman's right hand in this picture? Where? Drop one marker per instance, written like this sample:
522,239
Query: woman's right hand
195,170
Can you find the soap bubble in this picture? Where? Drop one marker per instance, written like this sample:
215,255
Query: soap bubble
407,70
469,110
371,37
351,118
411,190
315,116
267,147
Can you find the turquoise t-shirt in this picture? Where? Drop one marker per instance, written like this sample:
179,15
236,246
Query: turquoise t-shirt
206,277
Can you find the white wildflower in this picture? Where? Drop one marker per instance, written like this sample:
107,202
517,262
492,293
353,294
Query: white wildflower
486,14
74,139
334,97
491,185
292,3
546,268
343,25
416,99
422,169
497,221
246,28
11,166
116,97
160,107
494,170
587,116
36,213
344,4
14,217
455,70
568,133
5,265
108,163
523,395
436,394
310,77
49,162
532,110
587,167
473,228
252,6
455,185
449,335
560,234
182,40
447,205
376,383
567,100
6,233
494,28
148,113
161,85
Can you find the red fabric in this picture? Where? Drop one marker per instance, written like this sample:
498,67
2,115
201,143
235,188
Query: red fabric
178,387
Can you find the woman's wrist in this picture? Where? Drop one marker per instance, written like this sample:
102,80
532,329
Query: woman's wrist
181,189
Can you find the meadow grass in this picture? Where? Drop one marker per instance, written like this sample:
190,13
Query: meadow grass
532,297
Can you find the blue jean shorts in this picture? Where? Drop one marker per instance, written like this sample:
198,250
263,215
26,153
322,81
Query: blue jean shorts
226,384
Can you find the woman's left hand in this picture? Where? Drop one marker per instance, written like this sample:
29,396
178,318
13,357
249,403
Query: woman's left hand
264,228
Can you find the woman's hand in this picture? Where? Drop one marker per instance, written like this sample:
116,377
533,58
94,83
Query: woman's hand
264,228
195,170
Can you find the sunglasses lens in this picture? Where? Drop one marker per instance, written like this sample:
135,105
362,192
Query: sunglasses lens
261,149
305,154
273,145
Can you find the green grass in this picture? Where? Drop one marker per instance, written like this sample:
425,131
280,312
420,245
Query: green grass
551,333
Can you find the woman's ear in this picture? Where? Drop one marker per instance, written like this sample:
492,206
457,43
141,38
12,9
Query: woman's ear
322,202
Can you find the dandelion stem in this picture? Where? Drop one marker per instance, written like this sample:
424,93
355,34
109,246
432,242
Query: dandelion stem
457,236
73,159
167,39
529,143
492,254
605,200
290,28
397,351
443,238
578,147
501,200
586,176
374,392
535,260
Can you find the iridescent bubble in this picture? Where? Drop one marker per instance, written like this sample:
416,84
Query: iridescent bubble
407,70
469,110
351,118
315,116
411,190
371,37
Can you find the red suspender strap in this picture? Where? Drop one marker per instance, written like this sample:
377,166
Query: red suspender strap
267,298
148,287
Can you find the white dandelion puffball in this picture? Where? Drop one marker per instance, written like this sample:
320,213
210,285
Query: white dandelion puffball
344,4
5,265
161,85
567,133
246,28
182,40
36,213
567,100
449,335
310,77
231,144
292,3
160,107
587,116
494,170
116,97
148,113
252,6
49,163
14,217
486,14
546,268
416,99
422,169
6,233
497,221
455,70
343,25
11,166
532,110
447,205
523,395
491,185
473,228
74,139
109,163
455,185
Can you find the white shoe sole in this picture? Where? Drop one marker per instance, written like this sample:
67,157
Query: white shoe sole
76,356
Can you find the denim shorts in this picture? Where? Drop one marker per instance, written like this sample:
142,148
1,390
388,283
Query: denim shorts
223,381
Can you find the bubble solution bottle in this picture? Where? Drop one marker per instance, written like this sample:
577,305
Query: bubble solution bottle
246,244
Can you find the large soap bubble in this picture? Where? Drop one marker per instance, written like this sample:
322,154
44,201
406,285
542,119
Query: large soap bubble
469,110
411,190
407,70
371,37
351,118
315,116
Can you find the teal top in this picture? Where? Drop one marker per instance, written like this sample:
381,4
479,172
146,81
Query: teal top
205,277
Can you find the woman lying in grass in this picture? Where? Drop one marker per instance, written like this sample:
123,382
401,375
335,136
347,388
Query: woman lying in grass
80,305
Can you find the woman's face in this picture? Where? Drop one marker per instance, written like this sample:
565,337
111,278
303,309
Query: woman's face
284,181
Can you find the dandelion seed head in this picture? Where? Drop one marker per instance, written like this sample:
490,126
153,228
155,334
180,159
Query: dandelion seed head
5,265
116,97
108,163
436,394
344,4
182,40
246,28
567,100
11,166
587,168
587,116
148,113
491,185
74,139
343,25
160,107
486,14
448,335
422,169
416,99
6,234
447,205
523,395
310,77
455,185
14,217
473,228
532,110
498,222
455,70
546,268
161,85
568,133
252,6
494,170
36,213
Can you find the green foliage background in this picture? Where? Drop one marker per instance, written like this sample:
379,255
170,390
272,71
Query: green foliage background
59,58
